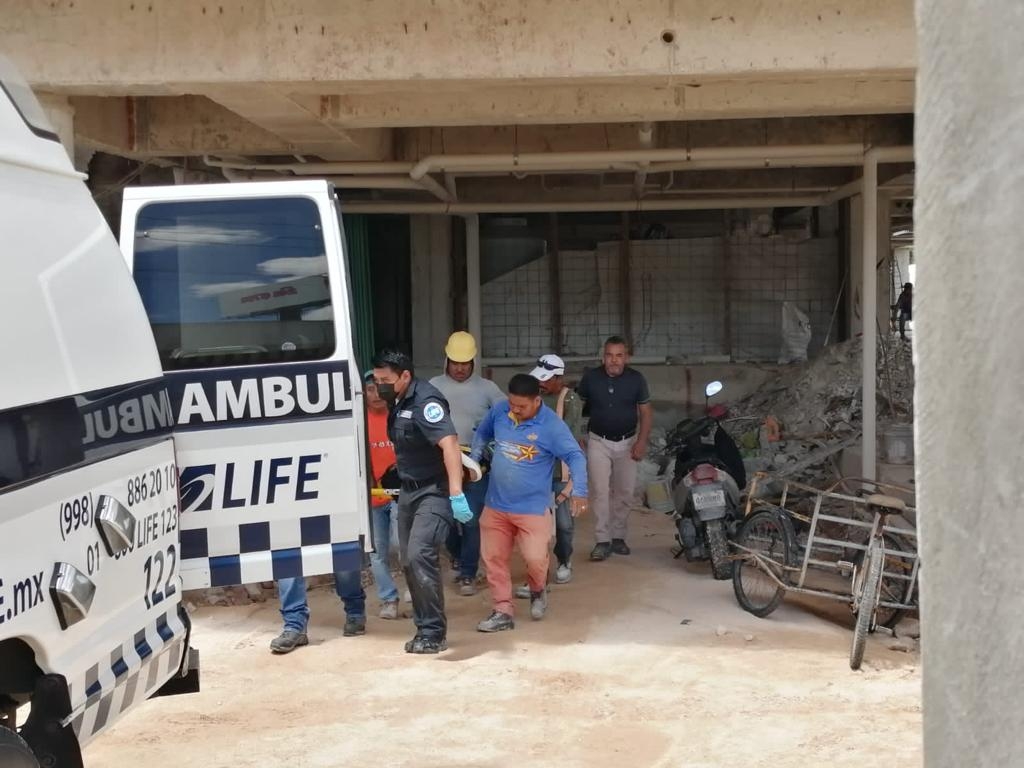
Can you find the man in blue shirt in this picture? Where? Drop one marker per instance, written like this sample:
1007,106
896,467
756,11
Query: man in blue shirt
528,438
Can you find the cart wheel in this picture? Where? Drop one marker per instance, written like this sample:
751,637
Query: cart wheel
866,609
769,534
718,547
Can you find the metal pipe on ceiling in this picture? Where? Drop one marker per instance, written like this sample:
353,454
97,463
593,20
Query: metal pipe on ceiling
315,169
628,160
704,204
571,160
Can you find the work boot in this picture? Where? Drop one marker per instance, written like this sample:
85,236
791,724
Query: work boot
620,547
538,604
563,574
425,645
389,609
523,592
288,641
601,551
496,622
467,586
354,625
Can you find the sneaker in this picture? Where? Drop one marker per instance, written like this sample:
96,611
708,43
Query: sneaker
601,551
523,592
425,645
496,622
620,547
563,574
407,597
538,604
389,609
354,625
467,586
288,641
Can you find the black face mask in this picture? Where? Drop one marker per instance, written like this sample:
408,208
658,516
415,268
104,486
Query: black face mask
387,393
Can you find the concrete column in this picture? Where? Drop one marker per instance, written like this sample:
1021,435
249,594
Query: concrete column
473,278
869,302
969,362
62,116
854,320
883,260
431,243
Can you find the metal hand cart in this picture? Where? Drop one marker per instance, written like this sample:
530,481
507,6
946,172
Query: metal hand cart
853,545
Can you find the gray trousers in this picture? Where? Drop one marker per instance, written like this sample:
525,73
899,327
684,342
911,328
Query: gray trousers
611,478
424,520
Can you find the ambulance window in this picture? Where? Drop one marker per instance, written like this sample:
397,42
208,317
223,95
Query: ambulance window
234,282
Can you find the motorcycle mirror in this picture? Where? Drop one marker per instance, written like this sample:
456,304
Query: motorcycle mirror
713,388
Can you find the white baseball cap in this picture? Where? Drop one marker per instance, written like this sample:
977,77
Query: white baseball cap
548,366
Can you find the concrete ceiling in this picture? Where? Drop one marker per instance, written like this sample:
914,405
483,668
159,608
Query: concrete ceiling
396,80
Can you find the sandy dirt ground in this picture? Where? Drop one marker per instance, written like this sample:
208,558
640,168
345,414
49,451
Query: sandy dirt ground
642,661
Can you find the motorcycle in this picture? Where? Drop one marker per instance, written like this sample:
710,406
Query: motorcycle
709,475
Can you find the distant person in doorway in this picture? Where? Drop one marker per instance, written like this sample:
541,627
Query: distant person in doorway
469,397
618,405
905,308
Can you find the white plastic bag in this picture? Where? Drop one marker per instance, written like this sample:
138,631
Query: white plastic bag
796,334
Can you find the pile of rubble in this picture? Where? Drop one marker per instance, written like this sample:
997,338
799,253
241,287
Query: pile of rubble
797,423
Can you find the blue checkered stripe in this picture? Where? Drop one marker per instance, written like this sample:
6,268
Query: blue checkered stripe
220,556
131,672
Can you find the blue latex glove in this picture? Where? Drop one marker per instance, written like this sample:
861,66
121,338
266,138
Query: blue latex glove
460,508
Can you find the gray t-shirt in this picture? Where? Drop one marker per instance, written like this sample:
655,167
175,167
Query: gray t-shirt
469,401
612,400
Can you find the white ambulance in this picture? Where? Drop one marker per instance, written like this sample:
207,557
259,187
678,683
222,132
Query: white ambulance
183,413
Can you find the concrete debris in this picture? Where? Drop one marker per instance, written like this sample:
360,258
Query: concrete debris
902,644
721,631
909,628
819,407
749,638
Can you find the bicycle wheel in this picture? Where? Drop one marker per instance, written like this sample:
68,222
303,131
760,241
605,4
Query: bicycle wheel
769,535
868,600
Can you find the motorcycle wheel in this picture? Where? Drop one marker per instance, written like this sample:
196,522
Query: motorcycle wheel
718,548
771,536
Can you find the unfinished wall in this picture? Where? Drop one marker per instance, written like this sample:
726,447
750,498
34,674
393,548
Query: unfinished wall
708,298
970,364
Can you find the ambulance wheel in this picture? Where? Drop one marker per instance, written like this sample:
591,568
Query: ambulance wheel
14,752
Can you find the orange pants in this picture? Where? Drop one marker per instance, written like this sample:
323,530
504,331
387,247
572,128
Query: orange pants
499,533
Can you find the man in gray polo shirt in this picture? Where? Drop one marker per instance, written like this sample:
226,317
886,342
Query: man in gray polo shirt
618,402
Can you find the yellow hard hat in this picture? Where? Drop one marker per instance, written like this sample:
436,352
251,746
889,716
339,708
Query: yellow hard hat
461,347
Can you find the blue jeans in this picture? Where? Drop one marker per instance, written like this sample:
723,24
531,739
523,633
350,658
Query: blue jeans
295,609
464,538
565,524
380,519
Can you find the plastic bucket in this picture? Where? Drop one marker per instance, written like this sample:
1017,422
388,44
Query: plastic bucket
898,443
659,496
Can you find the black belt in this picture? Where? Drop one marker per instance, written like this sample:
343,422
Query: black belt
615,438
415,485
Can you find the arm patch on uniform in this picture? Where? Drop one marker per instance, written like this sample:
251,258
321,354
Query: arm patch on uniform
433,412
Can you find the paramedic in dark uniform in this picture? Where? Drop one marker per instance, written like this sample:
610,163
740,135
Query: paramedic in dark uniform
431,498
